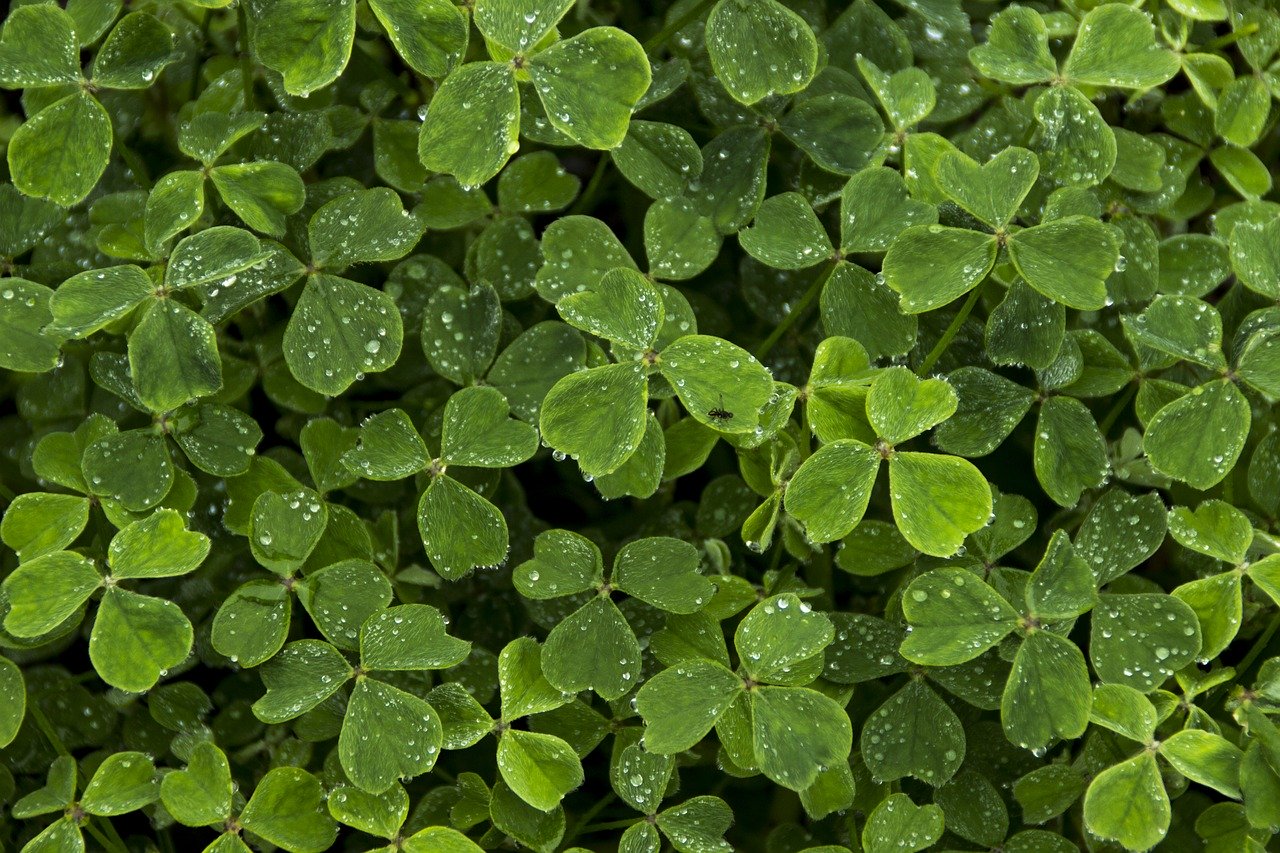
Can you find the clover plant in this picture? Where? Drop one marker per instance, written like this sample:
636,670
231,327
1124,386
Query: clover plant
779,426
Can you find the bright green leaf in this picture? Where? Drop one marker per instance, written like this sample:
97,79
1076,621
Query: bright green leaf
931,265
1115,46
287,809
1128,803
593,648
477,91
1142,639
62,151
760,49
589,84
461,530
1068,260
540,768
954,617
326,354
307,41
387,734
1198,437
136,639
173,356
44,592
937,500
1047,696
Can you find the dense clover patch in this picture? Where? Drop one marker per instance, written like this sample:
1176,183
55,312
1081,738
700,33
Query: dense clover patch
778,426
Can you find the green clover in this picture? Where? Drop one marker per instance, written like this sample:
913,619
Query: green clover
40,50
136,638
594,647
586,84
793,732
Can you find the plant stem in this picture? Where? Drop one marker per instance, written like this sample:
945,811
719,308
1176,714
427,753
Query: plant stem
613,824
1114,413
949,335
46,728
806,430
775,559
655,42
102,839
112,839
196,54
793,316
1231,37
581,825
133,161
593,186
246,61
106,825
819,574
1259,645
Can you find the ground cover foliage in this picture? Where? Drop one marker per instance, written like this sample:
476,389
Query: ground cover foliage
736,425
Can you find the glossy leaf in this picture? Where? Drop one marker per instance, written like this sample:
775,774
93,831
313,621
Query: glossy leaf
307,41
327,355
937,500
484,91
589,84
44,164
136,639
931,265
760,49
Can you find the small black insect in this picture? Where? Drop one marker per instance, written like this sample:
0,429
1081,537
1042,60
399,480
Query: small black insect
719,413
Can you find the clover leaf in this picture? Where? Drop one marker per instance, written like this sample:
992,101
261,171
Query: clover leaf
306,302
387,733
661,572
40,50
782,50
937,500
588,107
795,730
135,638
1116,47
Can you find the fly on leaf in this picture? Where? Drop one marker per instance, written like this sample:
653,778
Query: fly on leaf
719,413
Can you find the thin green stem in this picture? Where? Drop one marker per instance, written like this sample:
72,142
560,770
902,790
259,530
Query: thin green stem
613,824
46,728
133,161
246,61
118,843
806,430
655,42
588,196
819,574
1259,645
197,54
949,335
1117,409
1231,37
794,315
112,839
775,559
580,826
102,839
